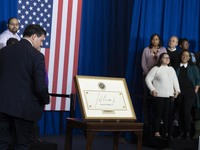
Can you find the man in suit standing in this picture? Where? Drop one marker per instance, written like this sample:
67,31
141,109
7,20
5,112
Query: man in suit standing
23,88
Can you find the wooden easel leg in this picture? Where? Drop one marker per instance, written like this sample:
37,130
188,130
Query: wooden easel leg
68,138
115,140
139,140
90,136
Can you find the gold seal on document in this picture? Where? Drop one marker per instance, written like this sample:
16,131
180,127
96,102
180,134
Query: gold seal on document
102,85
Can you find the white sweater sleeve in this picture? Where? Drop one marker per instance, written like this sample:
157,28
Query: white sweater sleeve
150,77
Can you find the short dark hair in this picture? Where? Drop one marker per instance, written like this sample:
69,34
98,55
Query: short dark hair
11,41
181,40
34,29
11,19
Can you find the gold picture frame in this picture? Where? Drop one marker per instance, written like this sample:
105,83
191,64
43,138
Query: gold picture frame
104,98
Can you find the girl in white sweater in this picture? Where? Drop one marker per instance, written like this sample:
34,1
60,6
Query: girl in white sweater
163,84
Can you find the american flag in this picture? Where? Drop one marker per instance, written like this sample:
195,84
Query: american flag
61,19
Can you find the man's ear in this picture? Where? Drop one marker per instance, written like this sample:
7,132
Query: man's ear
33,36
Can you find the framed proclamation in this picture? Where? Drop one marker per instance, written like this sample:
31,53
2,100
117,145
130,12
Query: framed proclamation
104,98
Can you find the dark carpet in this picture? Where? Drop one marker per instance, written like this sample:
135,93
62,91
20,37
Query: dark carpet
99,143
105,143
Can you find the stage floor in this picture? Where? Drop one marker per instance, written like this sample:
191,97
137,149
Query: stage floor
99,143
104,142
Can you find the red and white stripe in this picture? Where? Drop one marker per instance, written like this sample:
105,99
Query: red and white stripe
62,57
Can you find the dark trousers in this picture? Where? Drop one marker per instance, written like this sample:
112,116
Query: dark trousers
35,134
147,104
185,103
15,130
160,111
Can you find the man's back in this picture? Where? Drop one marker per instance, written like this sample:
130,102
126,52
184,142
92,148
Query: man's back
23,89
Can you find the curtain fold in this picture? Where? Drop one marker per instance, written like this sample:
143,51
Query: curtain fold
104,42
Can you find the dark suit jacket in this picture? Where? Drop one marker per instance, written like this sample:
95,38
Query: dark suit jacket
23,89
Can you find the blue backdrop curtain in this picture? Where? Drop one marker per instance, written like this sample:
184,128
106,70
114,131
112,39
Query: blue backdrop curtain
113,36
8,9
104,42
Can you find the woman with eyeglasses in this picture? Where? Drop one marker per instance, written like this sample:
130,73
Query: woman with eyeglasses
163,84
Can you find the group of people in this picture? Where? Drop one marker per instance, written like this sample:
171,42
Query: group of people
23,84
171,78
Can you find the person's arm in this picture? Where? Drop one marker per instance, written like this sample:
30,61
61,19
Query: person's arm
41,87
176,85
3,40
144,62
149,79
197,78
193,58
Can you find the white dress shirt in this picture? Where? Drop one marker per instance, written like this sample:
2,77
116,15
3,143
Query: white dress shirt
185,65
4,36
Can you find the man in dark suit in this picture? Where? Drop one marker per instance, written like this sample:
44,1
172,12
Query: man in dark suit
23,88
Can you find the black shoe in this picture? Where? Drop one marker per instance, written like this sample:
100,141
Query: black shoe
187,136
36,140
180,136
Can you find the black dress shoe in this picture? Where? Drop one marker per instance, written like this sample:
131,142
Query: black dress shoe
36,140
187,136
180,136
